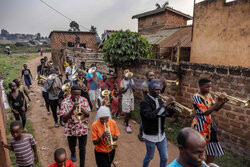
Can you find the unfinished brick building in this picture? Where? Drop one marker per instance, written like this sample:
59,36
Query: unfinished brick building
221,33
64,39
161,18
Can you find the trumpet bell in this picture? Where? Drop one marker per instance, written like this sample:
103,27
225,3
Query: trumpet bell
92,70
113,146
66,86
52,76
50,63
129,75
105,92
80,116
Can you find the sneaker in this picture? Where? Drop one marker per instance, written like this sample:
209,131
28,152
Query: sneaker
128,129
62,123
56,125
73,157
141,138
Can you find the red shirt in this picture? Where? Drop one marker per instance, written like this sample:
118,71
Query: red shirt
68,163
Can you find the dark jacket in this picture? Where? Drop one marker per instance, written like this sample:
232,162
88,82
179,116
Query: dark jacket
149,115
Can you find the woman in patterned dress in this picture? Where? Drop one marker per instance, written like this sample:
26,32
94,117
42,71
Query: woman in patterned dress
204,106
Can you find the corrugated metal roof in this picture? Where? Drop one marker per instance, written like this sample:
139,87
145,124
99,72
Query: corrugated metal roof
71,32
160,10
157,38
183,34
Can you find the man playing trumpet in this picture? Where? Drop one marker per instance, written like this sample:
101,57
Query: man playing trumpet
205,105
104,132
76,127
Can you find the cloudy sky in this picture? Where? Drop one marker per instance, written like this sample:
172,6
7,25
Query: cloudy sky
32,16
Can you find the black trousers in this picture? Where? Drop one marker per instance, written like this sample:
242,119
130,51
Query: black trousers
21,114
82,141
104,159
53,105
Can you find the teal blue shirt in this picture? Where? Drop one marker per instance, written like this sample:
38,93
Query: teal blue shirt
176,164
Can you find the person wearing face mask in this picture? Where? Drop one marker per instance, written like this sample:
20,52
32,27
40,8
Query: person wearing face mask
61,159
104,155
192,149
76,129
204,106
153,112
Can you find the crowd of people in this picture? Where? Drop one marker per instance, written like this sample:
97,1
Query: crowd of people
81,92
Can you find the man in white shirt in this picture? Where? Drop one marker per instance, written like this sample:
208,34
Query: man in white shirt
69,70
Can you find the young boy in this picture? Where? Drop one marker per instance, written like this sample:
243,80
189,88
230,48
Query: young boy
27,75
22,145
17,103
61,159
115,104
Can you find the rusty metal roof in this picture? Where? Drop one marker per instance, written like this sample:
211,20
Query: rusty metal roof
71,32
160,10
157,38
183,34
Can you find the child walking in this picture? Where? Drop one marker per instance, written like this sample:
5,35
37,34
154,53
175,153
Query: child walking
115,104
17,103
27,75
23,145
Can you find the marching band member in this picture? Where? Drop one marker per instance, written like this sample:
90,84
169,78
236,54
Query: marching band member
94,80
153,112
60,157
127,88
104,131
69,70
53,87
76,127
42,69
205,105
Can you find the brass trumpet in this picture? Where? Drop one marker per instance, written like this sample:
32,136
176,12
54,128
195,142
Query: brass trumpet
109,140
79,114
171,82
50,63
129,75
233,100
177,106
106,93
67,87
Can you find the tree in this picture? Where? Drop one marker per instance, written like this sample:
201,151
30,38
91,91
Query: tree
74,26
124,47
38,36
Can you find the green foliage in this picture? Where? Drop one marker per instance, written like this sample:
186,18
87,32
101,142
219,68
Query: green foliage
124,47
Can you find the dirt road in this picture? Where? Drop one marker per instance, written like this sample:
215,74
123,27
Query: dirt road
130,152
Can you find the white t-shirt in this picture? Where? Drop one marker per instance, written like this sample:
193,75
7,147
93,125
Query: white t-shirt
69,71
129,93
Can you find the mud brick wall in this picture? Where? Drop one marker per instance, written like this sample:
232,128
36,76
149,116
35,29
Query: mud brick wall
4,154
232,121
221,33
78,55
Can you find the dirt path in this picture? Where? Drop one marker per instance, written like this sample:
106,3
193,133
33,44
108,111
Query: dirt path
130,152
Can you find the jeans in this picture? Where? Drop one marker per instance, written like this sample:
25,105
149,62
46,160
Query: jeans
162,148
21,114
53,105
82,140
104,159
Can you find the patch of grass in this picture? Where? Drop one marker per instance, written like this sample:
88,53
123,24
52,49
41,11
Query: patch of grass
173,128
23,49
29,130
10,66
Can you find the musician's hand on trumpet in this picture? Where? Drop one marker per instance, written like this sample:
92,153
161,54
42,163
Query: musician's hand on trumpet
169,101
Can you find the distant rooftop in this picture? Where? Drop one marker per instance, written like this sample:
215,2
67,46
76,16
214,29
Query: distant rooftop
160,10
71,32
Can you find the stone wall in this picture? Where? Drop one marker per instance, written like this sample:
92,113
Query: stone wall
221,33
4,154
232,121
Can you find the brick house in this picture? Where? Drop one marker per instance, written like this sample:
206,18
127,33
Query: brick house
167,31
161,18
64,39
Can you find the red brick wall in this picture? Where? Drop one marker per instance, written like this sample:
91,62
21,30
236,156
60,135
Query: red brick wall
232,121
173,20
60,40
221,32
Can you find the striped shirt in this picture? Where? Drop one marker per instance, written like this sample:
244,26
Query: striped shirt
23,150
